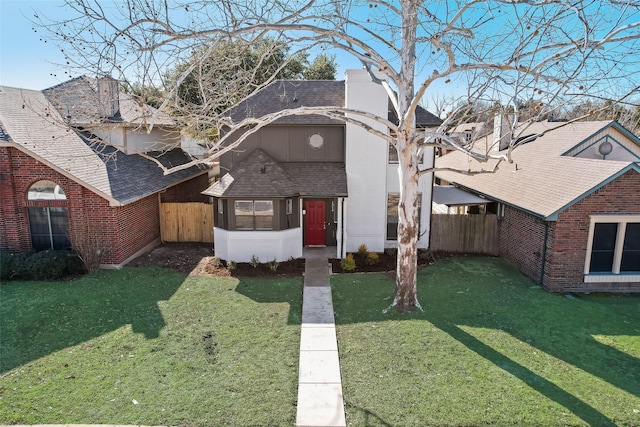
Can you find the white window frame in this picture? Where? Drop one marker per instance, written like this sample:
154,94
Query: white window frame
615,275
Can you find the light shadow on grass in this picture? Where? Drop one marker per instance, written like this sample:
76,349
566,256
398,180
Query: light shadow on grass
274,291
543,386
490,294
39,318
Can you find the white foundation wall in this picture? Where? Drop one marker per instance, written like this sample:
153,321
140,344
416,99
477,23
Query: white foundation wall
241,246
365,161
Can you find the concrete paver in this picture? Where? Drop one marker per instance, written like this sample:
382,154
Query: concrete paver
320,401
320,405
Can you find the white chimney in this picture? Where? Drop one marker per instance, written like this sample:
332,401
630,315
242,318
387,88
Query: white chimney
501,131
108,97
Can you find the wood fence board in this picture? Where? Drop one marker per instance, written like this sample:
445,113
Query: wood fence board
476,234
186,222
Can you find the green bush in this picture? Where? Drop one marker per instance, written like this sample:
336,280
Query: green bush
255,261
273,265
43,265
372,258
363,251
348,263
5,265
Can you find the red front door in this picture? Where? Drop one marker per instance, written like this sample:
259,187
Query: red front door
314,222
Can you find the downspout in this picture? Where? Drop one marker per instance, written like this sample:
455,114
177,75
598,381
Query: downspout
544,252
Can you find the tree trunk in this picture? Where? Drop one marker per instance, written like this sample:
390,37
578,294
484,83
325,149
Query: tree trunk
406,292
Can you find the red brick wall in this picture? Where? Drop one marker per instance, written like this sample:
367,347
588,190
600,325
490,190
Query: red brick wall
522,237
619,197
118,231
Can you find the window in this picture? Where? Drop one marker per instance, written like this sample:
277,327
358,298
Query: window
48,225
254,215
614,247
392,214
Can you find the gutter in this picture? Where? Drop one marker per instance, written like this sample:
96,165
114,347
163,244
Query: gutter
544,252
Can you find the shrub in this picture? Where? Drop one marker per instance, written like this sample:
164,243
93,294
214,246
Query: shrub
273,265
255,262
231,265
348,263
5,265
372,258
43,265
216,261
363,251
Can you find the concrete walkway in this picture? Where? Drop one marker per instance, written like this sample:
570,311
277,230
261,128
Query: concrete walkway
320,402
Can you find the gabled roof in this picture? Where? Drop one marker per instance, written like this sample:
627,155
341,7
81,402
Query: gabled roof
29,123
260,175
77,100
541,180
289,94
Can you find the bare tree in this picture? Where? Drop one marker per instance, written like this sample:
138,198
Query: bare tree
496,51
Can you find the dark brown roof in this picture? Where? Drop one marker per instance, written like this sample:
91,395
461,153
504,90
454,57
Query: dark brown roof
289,94
260,175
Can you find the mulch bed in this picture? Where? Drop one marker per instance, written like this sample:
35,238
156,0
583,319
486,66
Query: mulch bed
197,259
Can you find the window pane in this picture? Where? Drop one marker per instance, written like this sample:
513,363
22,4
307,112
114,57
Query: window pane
48,228
244,222
264,222
244,207
393,154
264,207
604,243
46,190
392,216
631,249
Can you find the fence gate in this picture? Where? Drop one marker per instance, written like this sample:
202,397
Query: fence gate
186,222
473,234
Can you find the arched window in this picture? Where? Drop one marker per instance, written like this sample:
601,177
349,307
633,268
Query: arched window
48,222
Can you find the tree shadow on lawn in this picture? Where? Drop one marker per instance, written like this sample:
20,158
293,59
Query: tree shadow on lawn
490,293
275,290
39,318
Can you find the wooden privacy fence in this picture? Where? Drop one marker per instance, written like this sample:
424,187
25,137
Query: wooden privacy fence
186,222
474,234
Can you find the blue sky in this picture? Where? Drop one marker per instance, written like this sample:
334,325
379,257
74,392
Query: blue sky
28,62
25,60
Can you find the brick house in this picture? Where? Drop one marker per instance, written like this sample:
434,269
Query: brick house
67,178
568,205
312,180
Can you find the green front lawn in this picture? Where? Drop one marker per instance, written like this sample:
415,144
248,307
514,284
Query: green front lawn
150,346
490,348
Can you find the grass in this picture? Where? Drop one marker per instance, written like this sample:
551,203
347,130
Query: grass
490,348
149,346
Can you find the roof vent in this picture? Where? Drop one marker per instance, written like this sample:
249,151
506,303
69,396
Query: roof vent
605,149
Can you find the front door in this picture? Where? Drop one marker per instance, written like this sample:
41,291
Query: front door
315,222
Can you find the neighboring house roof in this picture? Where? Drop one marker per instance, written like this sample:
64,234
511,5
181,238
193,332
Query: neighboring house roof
29,123
542,179
260,175
78,101
290,94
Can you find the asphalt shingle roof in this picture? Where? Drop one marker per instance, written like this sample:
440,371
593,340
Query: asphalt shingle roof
259,175
30,122
78,100
290,94
540,180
